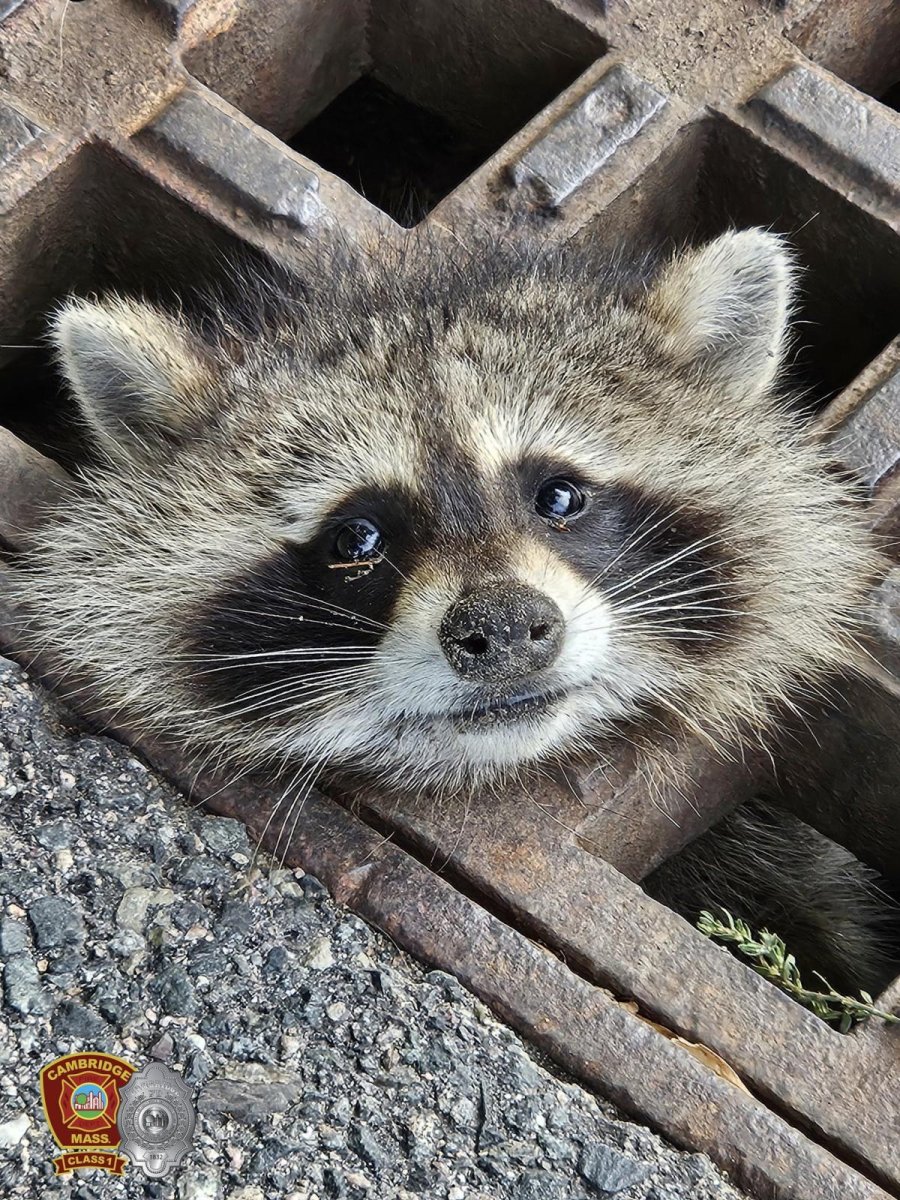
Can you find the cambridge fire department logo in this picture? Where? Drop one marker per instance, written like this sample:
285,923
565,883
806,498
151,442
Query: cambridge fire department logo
80,1096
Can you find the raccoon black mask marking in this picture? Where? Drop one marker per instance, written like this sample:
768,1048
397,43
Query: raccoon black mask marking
435,520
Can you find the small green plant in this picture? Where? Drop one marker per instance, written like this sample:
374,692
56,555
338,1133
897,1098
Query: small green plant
768,955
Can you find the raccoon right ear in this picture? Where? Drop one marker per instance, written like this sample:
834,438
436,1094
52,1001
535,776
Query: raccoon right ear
725,308
138,375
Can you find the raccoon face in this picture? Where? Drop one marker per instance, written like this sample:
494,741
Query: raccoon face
432,530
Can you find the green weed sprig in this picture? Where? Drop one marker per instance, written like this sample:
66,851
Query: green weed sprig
768,955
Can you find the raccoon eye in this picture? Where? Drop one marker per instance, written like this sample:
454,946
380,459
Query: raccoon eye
358,541
559,500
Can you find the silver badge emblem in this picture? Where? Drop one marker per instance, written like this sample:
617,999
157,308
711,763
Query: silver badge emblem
156,1119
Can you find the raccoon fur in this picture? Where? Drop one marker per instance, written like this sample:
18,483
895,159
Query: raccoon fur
438,519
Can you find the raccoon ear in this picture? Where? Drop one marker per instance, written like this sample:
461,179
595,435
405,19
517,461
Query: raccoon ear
725,307
138,376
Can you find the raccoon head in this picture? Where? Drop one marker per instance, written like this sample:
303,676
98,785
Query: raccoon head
437,521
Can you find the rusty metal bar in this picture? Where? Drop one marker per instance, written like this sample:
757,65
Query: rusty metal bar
819,115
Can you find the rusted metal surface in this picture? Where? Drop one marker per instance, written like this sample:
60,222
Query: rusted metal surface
580,1024
16,132
867,441
239,157
860,140
583,139
620,123
613,932
858,41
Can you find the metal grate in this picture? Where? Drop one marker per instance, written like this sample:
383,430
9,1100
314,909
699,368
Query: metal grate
251,124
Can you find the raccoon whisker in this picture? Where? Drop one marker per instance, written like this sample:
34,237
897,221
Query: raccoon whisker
724,587
296,807
862,649
269,615
324,675
275,807
308,673
627,586
303,681
306,620
307,695
693,612
451,851
221,755
659,620
647,618
297,687
704,734
290,654
684,635
579,742
589,588
393,566
699,635
325,605
218,756
278,658
553,817
360,625
688,612
654,620
631,543
704,598
343,693
713,594
663,564
260,704
711,604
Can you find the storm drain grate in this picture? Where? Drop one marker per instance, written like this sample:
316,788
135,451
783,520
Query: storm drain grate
226,125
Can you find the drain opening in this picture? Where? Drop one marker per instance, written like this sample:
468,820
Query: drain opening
814,856
401,157
766,866
403,120
36,407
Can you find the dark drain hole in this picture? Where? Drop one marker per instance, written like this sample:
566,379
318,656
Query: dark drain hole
37,408
399,156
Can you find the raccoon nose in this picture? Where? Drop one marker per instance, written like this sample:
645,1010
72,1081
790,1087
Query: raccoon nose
501,631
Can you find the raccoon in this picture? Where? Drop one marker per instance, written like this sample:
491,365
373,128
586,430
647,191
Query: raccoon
434,520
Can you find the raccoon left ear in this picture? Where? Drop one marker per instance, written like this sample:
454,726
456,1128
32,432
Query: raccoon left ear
138,375
725,307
